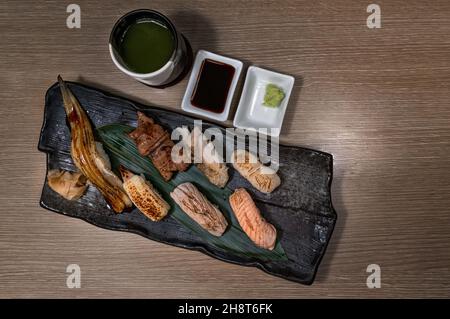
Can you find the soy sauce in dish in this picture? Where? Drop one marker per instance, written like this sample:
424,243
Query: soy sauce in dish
213,83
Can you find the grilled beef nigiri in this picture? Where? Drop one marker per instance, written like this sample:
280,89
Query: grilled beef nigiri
153,141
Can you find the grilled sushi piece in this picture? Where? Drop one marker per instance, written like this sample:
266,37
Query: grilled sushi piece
144,195
88,156
212,164
205,155
70,185
217,174
262,233
262,177
194,204
153,141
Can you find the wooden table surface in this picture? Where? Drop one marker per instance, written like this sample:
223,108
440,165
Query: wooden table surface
377,99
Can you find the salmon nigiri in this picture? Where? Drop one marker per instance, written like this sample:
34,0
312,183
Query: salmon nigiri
262,233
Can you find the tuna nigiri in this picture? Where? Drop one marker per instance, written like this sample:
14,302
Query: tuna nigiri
262,233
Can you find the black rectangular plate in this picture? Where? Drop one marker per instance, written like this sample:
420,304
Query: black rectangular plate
300,208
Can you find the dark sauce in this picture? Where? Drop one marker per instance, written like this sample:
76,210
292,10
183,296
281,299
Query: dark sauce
73,117
213,83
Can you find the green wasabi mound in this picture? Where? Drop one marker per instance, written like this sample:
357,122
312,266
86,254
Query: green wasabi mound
274,95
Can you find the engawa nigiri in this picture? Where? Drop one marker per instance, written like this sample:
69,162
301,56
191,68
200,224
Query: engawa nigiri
262,177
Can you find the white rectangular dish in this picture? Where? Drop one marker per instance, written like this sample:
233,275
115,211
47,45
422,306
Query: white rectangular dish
251,113
186,103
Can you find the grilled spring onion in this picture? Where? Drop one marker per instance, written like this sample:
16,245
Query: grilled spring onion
86,155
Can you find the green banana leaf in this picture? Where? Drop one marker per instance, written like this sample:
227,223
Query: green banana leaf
123,151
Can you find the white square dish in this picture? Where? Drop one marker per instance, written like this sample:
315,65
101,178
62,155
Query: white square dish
251,113
186,104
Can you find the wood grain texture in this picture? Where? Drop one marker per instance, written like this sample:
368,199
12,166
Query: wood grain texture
378,100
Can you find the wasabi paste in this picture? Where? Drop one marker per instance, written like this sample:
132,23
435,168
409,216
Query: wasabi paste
274,95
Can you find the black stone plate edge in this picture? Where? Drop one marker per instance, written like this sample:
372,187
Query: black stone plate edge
199,248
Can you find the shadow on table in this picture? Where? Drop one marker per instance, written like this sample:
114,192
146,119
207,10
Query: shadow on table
198,29
293,103
335,241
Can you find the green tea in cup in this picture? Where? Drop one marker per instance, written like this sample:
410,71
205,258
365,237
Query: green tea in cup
145,45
